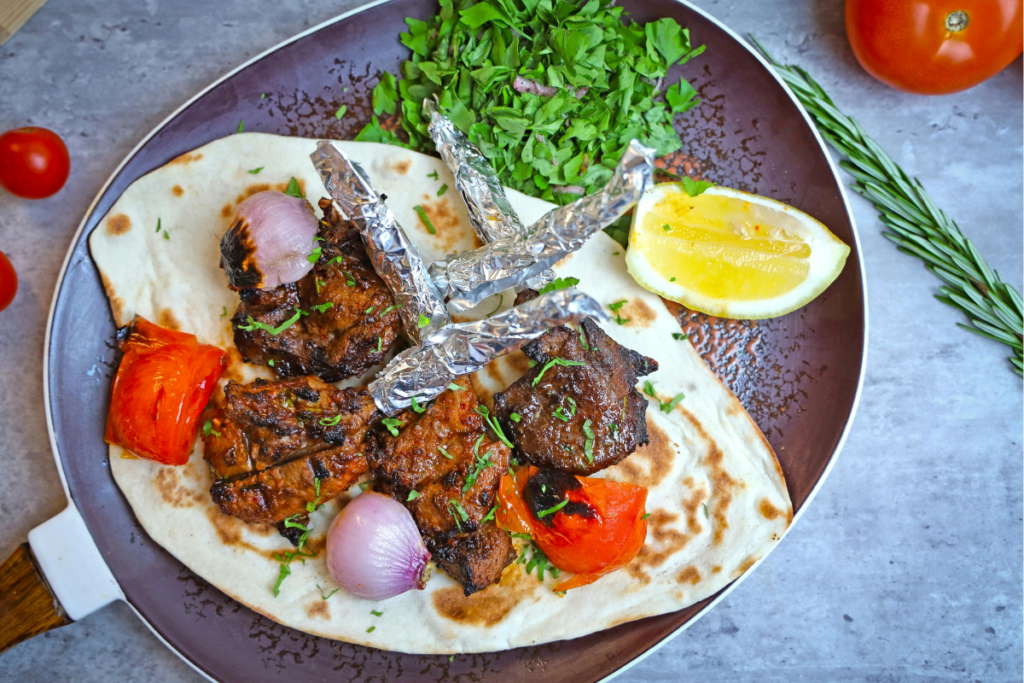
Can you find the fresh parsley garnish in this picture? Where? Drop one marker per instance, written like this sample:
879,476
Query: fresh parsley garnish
481,463
552,363
416,406
392,307
552,510
444,188
493,423
376,613
501,300
329,594
257,325
270,362
422,213
666,227
369,310
558,283
392,424
423,321
341,112
433,174
413,495
490,515
455,387
515,417
322,308
679,336
380,343
649,389
257,170
645,516
694,187
208,429
588,447
349,280
667,407
294,190
224,312
708,516
457,512
615,309
371,629
330,421
241,125
444,452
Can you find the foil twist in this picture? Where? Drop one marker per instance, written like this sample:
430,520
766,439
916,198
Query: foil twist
468,278
426,370
490,213
393,256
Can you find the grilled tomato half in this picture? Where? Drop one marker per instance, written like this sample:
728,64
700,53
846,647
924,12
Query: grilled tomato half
162,385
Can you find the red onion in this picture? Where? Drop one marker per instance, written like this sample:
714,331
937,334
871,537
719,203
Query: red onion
374,550
529,85
269,241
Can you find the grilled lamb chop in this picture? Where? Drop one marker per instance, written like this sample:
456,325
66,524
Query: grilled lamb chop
269,442
576,418
446,456
347,318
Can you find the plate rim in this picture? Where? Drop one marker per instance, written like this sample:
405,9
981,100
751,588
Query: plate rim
341,17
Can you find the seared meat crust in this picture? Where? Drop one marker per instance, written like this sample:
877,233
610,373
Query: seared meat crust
554,413
269,441
349,332
451,519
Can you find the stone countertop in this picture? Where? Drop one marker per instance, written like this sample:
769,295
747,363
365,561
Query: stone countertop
908,565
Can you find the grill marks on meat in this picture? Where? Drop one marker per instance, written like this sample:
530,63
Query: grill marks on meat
273,445
350,332
473,551
552,414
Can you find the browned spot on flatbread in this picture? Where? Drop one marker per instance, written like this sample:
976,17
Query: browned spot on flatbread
649,464
747,564
318,609
518,363
694,506
227,211
116,303
488,607
253,189
177,190
443,216
722,484
769,511
565,260
118,224
667,539
169,486
400,167
168,320
186,158
638,313
716,569
690,574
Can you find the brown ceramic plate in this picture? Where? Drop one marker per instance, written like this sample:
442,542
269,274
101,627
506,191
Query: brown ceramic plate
799,376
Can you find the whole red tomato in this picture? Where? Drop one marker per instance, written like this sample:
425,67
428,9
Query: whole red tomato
34,162
934,47
8,282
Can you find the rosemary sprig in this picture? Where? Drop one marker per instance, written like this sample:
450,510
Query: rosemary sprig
915,224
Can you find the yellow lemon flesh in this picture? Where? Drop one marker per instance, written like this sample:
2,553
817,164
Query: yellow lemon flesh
729,253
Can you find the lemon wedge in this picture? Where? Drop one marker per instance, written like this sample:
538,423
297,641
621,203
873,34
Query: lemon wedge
730,254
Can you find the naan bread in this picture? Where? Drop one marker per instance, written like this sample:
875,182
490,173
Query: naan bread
718,500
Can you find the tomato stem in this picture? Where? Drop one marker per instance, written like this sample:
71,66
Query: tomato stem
957,21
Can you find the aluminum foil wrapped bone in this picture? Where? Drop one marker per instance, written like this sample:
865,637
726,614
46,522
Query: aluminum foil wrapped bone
490,213
468,278
426,370
392,253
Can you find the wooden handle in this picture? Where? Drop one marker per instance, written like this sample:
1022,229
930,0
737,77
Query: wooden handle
27,606
14,13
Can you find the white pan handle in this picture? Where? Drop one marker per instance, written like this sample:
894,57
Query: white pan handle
72,564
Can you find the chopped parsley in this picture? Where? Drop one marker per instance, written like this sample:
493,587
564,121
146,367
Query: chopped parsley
694,187
330,422
706,510
536,559
224,312
364,485
560,414
416,406
515,417
558,283
294,190
329,594
455,387
158,221
666,227
667,407
319,284
422,213
552,363
380,343
257,170
322,308
433,174
371,629
481,463
392,424
166,236
423,321
588,447
274,331
615,309
241,125
369,310
649,389
490,515
492,422
392,307
341,112
456,509
583,340
646,516
270,362
501,300
376,613
444,452
552,510
349,280
285,571
208,429
679,336
444,188
671,279
413,495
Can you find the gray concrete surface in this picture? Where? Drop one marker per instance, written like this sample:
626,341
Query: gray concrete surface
907,567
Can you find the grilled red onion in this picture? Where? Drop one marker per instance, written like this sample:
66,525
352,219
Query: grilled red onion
374,550
269,241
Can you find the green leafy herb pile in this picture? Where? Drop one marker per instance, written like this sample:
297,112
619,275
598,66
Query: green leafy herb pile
587,84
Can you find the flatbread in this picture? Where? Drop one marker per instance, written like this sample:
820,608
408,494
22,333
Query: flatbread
717,497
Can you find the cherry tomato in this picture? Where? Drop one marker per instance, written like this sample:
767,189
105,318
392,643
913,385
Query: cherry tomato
8,282
163,384
934,47
34,162
597,527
